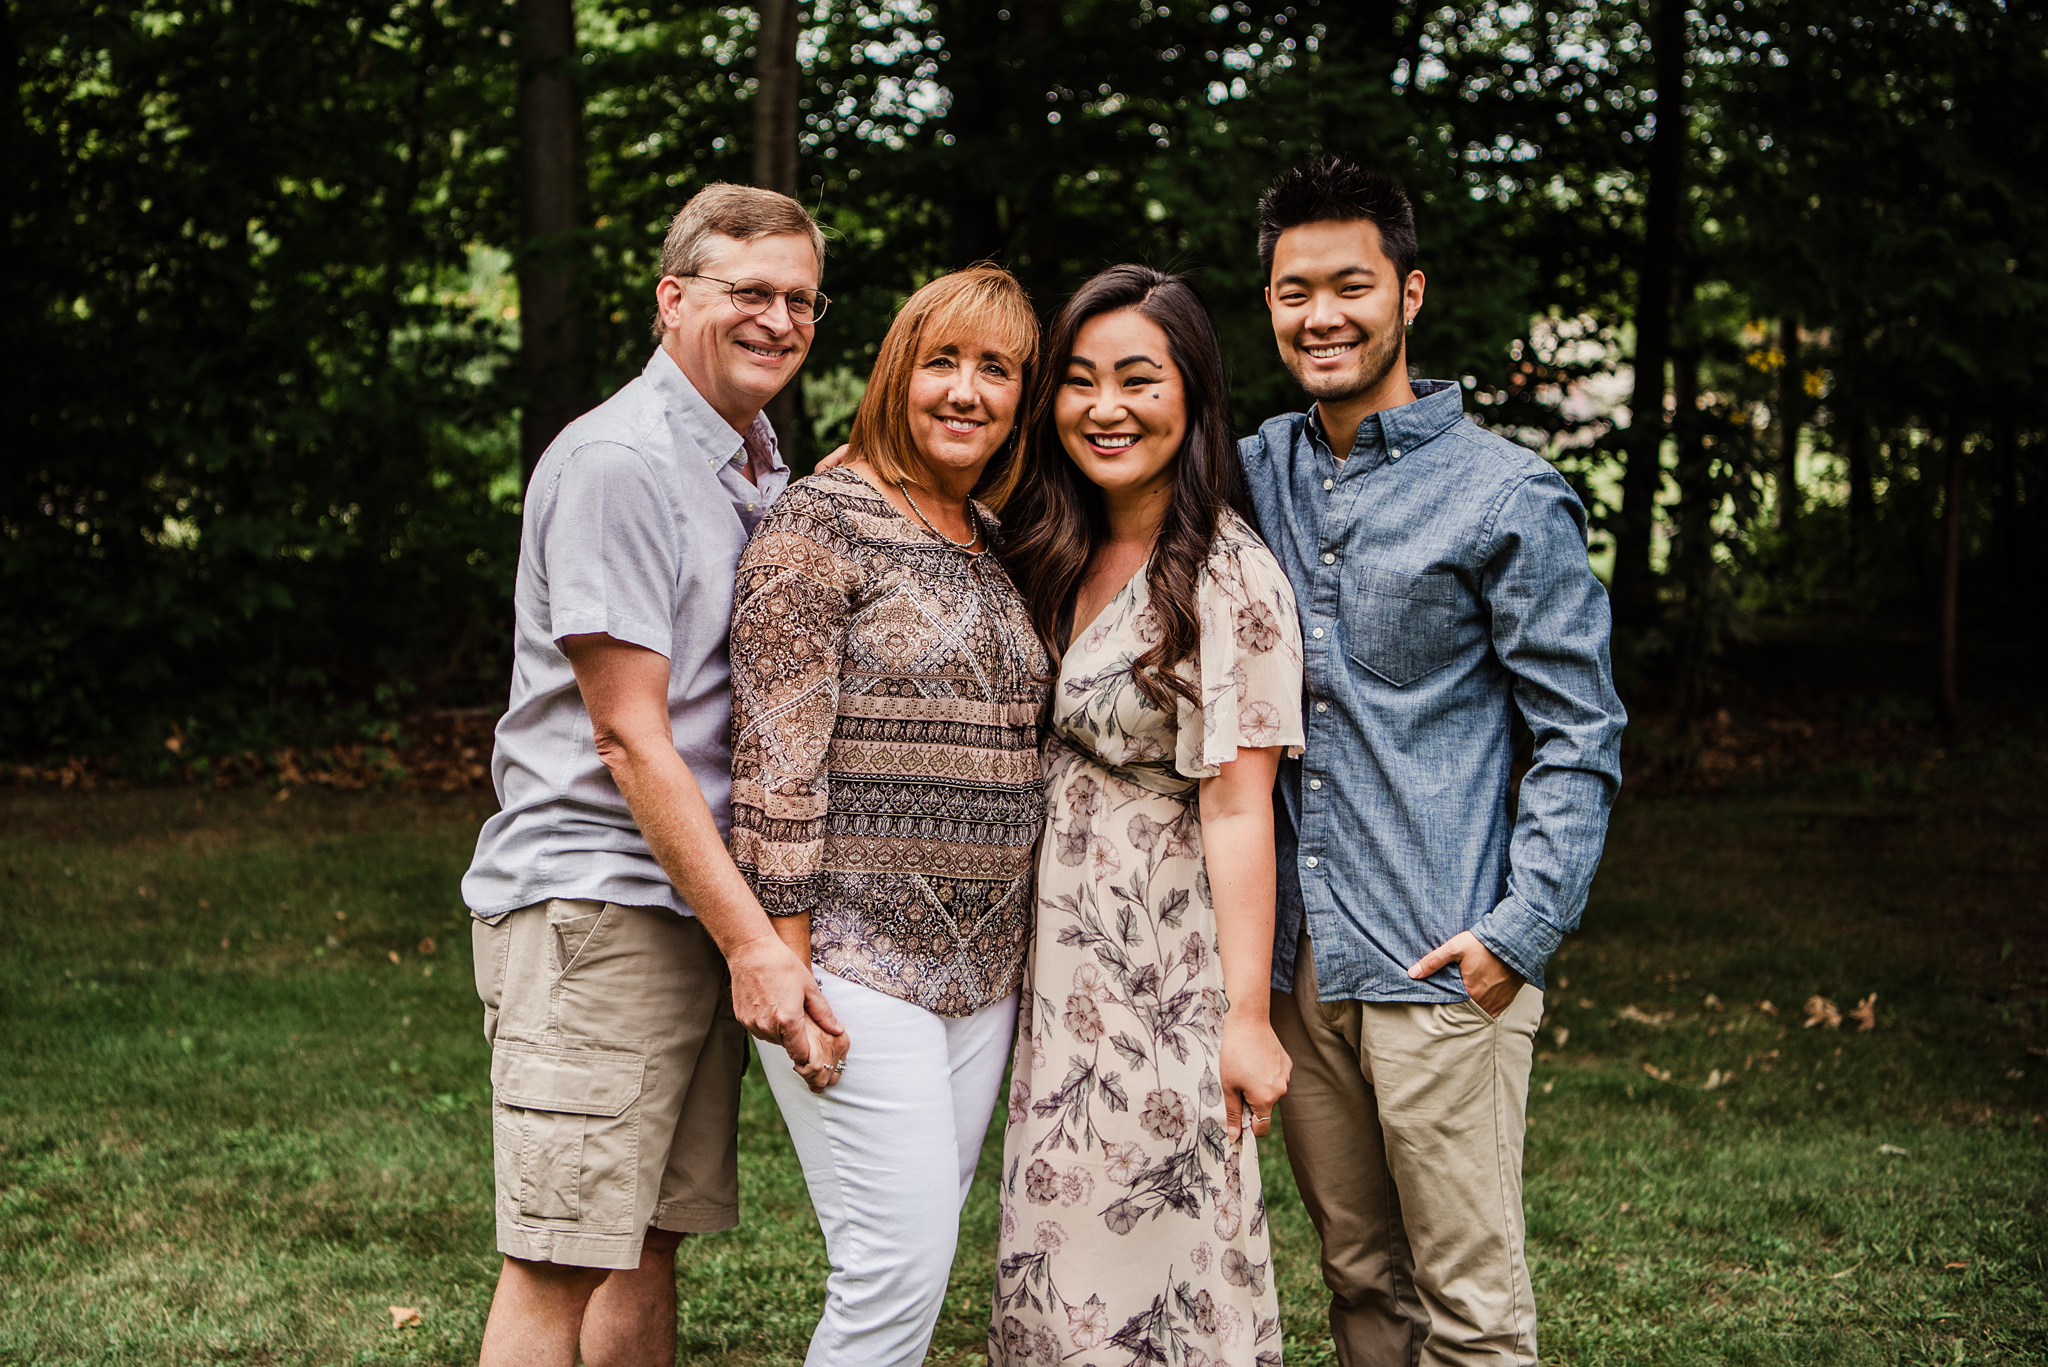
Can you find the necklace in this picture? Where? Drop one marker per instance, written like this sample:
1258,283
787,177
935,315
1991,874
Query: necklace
974,521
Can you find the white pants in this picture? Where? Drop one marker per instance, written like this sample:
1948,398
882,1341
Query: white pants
914,1103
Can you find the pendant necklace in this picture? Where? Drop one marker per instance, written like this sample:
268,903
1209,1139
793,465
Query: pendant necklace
974,521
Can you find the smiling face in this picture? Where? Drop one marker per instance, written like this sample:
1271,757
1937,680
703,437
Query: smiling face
738,361
1340,310
963,405
1122,410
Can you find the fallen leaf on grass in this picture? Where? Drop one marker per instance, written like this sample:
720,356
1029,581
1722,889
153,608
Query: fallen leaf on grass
1767,1008
427,945
1946,1266
1661,1074
1837,1276
1714,1079
1894,1150
404,1316
1865,1014
394,955
1712,1003
1632,1013
1561,1033
1821,1011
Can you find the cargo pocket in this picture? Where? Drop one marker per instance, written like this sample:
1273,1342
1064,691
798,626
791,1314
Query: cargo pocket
578,1131
1400,626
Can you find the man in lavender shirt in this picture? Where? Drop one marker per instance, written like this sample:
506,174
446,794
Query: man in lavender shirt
620,956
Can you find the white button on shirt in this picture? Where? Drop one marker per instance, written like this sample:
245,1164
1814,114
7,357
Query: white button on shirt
1310,861
1329,557
1315,783
1329,484
1317,633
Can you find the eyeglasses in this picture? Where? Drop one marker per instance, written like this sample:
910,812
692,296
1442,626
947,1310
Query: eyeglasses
754,296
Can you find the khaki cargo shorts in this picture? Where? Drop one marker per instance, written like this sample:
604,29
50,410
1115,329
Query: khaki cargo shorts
615,1079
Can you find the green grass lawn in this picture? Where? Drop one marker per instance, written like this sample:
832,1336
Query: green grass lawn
244,1107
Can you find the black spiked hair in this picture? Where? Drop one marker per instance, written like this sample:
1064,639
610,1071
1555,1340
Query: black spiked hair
1332,189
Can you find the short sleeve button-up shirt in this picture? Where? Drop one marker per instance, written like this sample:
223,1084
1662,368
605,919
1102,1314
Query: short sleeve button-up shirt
633,526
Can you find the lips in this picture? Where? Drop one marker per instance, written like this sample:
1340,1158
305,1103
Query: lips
1328,351
960,426
1111,443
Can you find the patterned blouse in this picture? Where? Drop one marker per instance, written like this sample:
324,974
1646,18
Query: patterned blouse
886,690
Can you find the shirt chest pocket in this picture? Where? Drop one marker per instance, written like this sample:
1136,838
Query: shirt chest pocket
1400,627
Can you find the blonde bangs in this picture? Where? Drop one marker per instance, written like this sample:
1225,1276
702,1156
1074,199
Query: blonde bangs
971,308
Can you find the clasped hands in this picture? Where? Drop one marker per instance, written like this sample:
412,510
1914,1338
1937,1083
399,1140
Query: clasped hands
777,999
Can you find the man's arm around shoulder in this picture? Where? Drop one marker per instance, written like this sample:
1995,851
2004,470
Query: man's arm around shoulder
625,690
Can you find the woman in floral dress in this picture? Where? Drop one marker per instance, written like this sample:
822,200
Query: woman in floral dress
1133,1226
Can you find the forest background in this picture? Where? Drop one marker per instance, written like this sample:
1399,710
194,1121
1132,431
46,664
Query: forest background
297,291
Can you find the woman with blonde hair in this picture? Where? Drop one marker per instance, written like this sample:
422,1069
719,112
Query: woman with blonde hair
887,683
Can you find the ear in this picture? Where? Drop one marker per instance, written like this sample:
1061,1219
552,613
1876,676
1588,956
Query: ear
1411,297
668,302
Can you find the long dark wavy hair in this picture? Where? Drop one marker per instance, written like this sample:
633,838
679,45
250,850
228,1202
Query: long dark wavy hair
1055,518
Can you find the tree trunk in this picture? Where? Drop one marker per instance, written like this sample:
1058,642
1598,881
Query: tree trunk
974,165
1951,566
1692,543
1634,594
1862,500
551,364
1789,395
775,133
2005,512
1038,264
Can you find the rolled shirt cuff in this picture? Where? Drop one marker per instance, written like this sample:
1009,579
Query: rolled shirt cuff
1519,937
780,898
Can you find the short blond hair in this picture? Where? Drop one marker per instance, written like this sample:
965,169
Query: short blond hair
979,304
743,212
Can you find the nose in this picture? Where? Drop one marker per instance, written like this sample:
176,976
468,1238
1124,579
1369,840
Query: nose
1108,406
1323,313
776,316
965,391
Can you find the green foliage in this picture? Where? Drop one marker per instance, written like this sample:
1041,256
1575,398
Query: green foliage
255,418
261,435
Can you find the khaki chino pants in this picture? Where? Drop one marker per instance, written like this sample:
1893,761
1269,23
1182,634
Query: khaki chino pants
1404,1126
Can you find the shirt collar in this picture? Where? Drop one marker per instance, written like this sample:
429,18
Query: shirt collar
699,426
1397,431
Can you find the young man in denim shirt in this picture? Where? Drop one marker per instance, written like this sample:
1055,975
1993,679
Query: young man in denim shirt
1442,580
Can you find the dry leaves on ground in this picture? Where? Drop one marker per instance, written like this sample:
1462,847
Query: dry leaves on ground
405,1316
1632,1012
1821,1011
1865,1014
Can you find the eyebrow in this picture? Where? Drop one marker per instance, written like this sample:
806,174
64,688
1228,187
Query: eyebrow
1335,274
1139,359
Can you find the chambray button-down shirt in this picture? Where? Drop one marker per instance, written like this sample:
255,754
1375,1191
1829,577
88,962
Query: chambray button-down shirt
1441,576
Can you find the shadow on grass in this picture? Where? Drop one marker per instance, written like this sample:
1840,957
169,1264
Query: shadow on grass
246,1102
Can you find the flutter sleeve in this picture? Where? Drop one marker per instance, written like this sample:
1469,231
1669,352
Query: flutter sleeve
1250,658
790,610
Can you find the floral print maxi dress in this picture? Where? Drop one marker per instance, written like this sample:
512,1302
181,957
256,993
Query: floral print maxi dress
1133,1230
